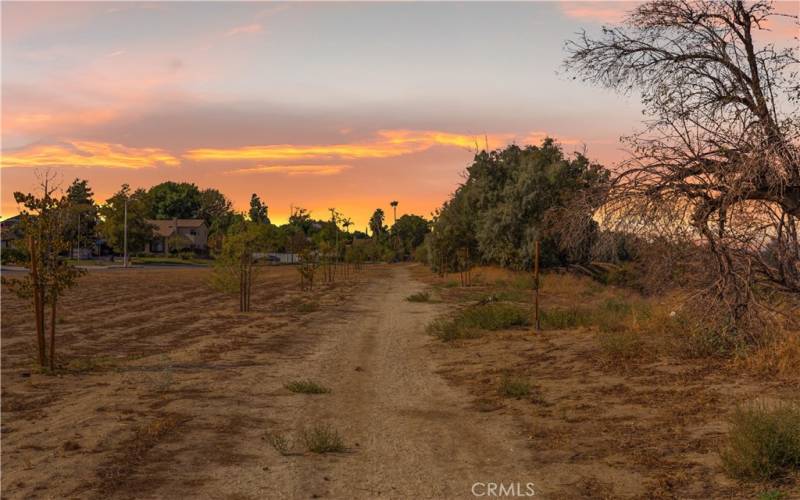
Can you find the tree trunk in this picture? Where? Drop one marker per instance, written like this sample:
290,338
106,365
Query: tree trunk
38,302
53,335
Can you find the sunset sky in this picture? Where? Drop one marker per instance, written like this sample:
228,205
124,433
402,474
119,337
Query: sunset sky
346,105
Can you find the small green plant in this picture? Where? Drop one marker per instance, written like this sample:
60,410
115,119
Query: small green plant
279,442
307,306
763,442
306,387
323,439
451,284
419,297
515,387
771,495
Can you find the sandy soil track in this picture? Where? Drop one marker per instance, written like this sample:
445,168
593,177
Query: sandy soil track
411,433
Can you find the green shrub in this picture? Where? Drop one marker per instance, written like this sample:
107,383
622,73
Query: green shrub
323,439
306,387
494,316
419,297
763,442
469,322
515,387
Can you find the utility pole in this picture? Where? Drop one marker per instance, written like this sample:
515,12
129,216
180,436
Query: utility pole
125,237
79,235
536,323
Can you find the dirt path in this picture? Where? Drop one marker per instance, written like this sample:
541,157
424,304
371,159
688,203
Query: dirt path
411,434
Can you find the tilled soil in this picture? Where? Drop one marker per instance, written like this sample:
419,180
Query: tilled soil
168,392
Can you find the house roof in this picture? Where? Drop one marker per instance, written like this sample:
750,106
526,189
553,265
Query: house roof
167,227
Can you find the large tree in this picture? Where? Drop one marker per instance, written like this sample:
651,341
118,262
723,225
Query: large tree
173,200
80,224
513,197
410,231
376,222
113,219
718,158
258,210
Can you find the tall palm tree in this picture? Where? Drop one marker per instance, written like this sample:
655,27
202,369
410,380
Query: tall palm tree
347,222
394,207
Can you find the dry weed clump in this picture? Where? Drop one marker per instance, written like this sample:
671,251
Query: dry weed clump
306,387
419,297
514,387
323,439
763,442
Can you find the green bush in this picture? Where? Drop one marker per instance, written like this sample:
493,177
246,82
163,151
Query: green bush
763,442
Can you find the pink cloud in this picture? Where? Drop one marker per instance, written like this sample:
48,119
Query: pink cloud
246,29
599,12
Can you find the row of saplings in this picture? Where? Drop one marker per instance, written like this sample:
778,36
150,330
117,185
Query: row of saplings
50,275
235,265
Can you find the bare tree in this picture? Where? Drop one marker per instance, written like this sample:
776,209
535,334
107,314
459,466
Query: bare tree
718,162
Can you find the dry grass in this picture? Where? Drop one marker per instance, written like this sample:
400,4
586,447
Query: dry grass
513,387
763,442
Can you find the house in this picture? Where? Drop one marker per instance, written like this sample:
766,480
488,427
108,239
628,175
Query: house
178,234
10,231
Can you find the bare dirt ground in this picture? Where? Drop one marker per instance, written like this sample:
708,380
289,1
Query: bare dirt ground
172,392
168,392
599,428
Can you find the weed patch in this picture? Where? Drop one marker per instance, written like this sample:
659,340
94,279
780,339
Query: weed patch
469,322
621,345
763,442
515,387
419,297
279,443
307,306
323,439
306,387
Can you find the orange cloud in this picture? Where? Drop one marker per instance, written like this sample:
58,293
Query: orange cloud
87,154
293,169
387,144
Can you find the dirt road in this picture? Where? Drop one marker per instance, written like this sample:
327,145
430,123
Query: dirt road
410,433
186,390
